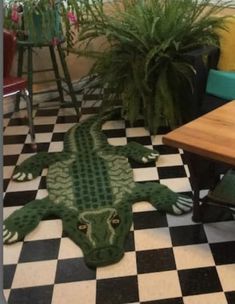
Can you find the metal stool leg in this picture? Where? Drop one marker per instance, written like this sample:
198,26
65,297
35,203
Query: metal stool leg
19,74
56,72
30,73
68,80
25,94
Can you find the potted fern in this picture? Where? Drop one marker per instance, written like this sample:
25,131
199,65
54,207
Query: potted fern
42,21
143,64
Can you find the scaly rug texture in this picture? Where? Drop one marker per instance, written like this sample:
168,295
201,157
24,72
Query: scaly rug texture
91,188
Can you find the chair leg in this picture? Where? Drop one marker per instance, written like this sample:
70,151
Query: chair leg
68,80
26,97
19,74
30,73
56,72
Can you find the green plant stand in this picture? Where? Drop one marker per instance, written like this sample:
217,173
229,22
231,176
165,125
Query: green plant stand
27,46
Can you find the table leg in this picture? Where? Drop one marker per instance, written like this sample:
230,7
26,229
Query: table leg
203,175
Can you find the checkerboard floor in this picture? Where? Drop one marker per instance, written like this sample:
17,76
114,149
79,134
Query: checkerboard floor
168,259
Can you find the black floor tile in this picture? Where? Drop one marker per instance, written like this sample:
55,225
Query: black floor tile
230,296
57,137
43,128
32,295
115,133
43,183
188,235
8,275
14,139
136,165
199,281
19,198
149,219
72,270
171,172
165,301
117,291
145,140
162,149
47,112
67,119
41,147
10,160
5,184
17,121
39,250
130,242
89,110
155,260
223,253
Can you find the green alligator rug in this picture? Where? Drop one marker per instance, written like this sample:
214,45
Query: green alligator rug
91,188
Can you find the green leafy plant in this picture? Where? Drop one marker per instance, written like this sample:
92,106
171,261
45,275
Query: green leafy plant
43,21
142,64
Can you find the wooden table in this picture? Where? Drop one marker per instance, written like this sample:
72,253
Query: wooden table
206,140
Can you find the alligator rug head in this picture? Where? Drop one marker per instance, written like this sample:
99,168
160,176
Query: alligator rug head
91,188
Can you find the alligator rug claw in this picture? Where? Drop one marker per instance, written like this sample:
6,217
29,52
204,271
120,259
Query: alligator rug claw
91,188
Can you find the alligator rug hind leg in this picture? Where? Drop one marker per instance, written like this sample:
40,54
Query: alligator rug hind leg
91,188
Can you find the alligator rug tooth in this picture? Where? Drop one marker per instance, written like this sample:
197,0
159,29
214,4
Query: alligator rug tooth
91,188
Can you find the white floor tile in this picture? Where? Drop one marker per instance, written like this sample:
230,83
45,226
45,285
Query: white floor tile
24,186
145,174
193,256
136,132
169,160
156,238
156,139
6,293
156,286
11,253
46,230
63,127
45,120
180,184
214,298
142,206
56,146
75,293
220,231
8,171
34,274
40,138
117,141
125,267
227,276
113,124
182,220
12,149
69,250
16,130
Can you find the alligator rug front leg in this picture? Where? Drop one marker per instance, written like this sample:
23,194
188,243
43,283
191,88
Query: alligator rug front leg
137,152
162,198
32,167
23,221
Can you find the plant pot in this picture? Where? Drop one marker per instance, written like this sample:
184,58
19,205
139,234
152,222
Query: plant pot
44,28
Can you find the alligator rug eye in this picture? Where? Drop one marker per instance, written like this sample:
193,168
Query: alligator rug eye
91,188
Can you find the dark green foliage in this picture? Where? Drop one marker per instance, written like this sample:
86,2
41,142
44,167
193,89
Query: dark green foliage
142,64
